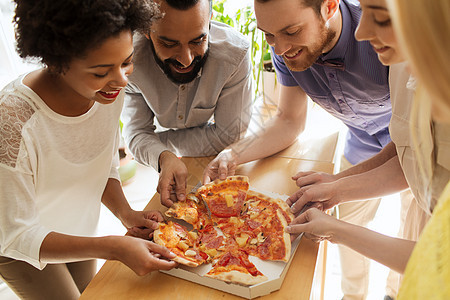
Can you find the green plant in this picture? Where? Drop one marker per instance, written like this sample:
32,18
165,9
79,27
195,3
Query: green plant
244,21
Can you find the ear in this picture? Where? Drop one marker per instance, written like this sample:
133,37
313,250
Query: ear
329,8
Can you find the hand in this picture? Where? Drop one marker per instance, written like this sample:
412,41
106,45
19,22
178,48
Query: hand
316,225
172,179
142,256
220,167
142,223
322,196
308,178
311,190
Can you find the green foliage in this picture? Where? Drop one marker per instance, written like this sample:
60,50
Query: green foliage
244,21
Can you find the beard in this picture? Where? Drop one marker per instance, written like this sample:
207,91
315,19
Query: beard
310,54
180,78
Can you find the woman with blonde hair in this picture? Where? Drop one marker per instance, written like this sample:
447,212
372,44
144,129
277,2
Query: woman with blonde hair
422,29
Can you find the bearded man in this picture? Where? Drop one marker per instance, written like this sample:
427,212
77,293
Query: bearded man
316,55
190,93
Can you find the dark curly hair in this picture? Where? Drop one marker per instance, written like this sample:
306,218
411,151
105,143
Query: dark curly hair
185,4
57,31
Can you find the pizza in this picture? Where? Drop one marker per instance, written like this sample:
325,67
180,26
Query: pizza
235,267
243,223
181,242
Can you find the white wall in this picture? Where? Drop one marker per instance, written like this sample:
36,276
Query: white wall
11,65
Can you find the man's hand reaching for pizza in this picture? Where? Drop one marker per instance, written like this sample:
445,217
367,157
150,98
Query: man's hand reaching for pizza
172,179
221,167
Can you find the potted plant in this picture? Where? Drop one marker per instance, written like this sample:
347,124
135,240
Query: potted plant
244,21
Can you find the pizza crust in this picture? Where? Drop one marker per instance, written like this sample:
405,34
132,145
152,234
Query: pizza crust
184,261
285,207
286,237
237,277
218,182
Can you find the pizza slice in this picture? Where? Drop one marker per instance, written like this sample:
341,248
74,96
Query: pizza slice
225,198
181,242
266,219
210,242
192,212
235,267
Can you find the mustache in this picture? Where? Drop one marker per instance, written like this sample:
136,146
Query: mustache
176,63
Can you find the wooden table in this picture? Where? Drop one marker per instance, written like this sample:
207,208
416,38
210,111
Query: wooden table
116,281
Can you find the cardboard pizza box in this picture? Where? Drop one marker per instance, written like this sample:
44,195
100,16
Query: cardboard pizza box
274,270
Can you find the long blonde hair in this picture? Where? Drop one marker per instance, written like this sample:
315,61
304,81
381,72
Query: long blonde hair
423,30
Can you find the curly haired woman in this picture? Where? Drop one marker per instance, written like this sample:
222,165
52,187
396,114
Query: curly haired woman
58,148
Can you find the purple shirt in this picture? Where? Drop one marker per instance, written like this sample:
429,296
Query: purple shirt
358,95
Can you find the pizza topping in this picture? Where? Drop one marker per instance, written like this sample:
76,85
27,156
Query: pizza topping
193,235
190,252
182,245
252,224
242,240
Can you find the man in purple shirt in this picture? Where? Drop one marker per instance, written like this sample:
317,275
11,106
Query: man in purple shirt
317,56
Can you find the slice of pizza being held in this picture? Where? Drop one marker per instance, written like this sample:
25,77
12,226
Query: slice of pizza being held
181,242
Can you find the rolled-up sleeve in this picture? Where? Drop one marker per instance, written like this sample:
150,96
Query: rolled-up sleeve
139,129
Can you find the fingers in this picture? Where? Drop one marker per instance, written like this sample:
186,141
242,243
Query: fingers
154,215
161,250
140,232
294,197
298,200
151,224
307,179
223,169
164,189
301,219
206,178
296,228
301,174
163,264
180,186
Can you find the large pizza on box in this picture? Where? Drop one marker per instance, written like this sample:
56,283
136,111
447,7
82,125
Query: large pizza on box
242,223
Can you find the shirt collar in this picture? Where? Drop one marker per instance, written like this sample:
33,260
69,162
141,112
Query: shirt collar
339,50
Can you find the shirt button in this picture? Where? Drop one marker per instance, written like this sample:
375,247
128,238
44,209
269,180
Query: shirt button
180,117
331,75
381,105
341,101
183,87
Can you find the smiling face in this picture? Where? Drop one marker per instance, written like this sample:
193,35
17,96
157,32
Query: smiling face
301,35
375,26
102,72
180,40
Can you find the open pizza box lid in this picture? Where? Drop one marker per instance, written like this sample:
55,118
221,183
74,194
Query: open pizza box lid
274,270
